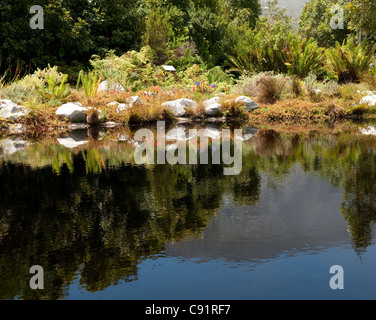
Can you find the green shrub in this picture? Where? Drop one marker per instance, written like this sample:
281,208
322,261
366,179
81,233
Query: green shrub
350,60
351,91
216,76
27,87
330,88
55,90
133,69
304,56
310,83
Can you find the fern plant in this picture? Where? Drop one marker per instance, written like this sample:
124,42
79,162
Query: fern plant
90,83
54,90
350,60
217,75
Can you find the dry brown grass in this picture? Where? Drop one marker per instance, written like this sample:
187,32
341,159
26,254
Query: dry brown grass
290,110
197,112
147,114
42,118
100,100
231,108
269,89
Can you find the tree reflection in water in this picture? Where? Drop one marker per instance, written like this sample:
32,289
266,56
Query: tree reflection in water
91,211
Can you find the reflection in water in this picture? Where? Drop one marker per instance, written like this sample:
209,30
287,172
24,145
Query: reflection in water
83,207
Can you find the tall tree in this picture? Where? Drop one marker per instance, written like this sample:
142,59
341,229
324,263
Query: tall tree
315,22
362,18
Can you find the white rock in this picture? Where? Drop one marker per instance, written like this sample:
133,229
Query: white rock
210,132
172,147
178,106
73,111
248,102
369,131
106,86
110,124
213,100
369,99
213,106
113,103
134,100
129,103
121,107
10,110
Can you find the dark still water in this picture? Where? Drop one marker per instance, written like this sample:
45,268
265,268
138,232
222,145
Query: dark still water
103,227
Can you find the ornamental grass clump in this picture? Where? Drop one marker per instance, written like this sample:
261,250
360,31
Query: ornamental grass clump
269,88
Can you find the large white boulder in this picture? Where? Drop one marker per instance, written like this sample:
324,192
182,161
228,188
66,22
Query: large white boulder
73,111
369,99
10,110
248,102
107,86
178,106
213,106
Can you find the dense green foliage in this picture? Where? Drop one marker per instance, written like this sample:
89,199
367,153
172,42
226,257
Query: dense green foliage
315,22
75,30
222,42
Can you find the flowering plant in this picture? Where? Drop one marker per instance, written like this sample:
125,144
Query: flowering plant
204,88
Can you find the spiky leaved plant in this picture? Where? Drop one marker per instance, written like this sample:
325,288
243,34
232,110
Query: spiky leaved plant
54,90
350,60
304,56
90,83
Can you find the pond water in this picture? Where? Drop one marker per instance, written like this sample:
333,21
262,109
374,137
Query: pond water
103,227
